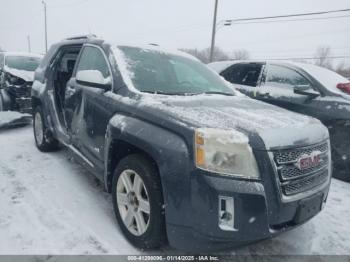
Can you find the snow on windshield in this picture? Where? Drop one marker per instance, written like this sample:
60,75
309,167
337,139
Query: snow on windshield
159,72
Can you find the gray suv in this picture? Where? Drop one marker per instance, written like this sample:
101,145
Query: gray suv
186,158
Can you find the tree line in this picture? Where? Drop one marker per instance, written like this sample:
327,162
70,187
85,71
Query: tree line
322,57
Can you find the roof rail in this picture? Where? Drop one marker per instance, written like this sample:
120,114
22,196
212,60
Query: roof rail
81,37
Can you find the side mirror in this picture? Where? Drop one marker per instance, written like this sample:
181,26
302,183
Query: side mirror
94,78
306,91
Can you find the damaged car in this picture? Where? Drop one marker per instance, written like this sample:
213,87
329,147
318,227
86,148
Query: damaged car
303,88
186,158
16,79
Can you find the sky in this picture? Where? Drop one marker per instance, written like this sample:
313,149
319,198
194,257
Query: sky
180,24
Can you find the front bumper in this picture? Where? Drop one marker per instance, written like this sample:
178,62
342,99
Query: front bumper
255,216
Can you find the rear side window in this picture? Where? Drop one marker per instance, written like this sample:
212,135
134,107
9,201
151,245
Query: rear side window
243,74
93,59
280,76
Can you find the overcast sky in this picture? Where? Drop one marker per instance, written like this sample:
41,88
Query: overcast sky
179,24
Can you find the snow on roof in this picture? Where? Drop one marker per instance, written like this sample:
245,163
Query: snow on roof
156,48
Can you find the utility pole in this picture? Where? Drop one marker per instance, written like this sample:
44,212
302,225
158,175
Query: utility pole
44,3
212,47
29,48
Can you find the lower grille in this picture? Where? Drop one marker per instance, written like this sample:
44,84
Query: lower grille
305,184
294,179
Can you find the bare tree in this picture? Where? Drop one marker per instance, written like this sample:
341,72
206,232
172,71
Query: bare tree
322,56
240,54
204,54
343,69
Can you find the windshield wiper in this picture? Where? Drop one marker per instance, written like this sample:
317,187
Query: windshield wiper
217,93
156,92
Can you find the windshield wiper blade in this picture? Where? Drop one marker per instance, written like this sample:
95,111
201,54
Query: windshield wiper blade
157,92
218,93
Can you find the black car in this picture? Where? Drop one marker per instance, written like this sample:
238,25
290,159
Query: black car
185,157
16,79
302,88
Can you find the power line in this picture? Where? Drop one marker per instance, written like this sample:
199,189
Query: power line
292,20
290,15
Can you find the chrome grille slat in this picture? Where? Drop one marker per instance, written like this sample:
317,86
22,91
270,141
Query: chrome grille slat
297,174
291,155
291,179
305,183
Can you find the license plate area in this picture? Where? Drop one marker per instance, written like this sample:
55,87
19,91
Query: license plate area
308,208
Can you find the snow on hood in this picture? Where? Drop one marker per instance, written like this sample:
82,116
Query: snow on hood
276,126
27,76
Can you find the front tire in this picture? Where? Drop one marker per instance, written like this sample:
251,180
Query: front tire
43,137
138,202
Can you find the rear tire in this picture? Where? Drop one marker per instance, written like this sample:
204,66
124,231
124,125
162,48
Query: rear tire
136,182
1,103
44,140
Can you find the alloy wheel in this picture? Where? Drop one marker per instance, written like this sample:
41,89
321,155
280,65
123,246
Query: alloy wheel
133,202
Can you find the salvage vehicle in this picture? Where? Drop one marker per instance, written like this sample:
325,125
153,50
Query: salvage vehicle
16,79
186,158
303,88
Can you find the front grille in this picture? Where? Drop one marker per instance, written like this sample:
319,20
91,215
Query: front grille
23,91
294,180
305,184
291,155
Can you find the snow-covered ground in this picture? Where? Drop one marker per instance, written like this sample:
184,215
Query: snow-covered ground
12,118
51,205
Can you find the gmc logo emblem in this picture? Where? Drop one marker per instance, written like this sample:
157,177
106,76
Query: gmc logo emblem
308,161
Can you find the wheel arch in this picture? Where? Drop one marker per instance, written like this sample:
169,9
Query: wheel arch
128,135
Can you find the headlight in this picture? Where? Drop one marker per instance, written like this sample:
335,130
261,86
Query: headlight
225,152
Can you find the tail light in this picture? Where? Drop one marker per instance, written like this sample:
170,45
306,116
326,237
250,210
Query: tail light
345,87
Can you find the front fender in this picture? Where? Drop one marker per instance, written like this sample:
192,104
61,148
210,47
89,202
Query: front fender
168,150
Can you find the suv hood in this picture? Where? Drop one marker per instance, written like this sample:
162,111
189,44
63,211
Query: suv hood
27,76
277,127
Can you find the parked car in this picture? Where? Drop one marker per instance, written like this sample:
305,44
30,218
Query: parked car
16,79
185,157
302,88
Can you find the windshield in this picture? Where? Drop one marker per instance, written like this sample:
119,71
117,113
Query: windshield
22,62
153,71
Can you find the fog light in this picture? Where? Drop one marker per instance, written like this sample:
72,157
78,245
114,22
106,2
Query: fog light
226,213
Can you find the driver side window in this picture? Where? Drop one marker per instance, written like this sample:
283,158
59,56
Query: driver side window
283,77
93,59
